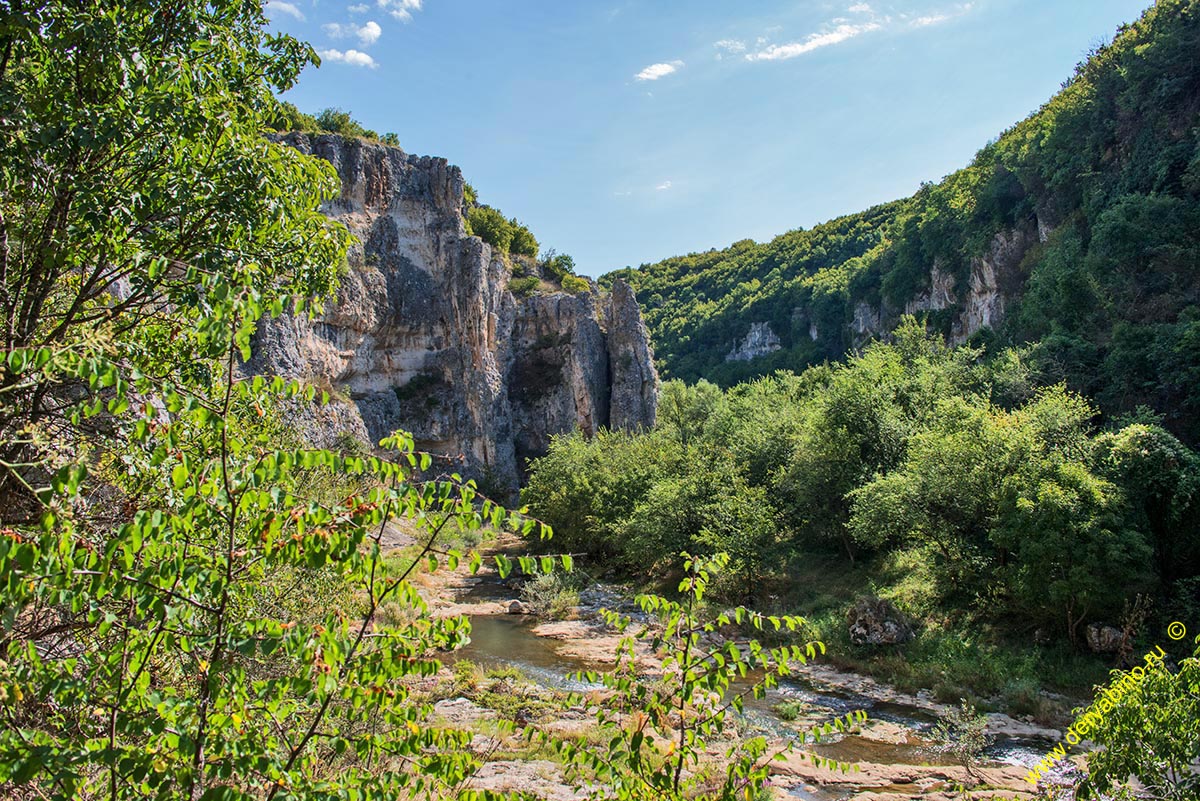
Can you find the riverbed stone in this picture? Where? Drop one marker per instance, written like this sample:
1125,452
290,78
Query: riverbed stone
518,608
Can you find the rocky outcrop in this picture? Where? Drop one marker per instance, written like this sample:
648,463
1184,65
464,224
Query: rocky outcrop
425,336
760,341
633,400
993,278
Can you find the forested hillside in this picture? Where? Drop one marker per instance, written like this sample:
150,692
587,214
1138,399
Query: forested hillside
1075,236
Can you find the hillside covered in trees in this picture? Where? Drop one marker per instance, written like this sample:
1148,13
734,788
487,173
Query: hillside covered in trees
1097,198
980,404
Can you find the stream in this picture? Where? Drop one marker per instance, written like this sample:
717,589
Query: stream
508,641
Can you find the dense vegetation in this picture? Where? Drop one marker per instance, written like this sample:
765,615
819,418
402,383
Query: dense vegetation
988,509
331,120
1109,303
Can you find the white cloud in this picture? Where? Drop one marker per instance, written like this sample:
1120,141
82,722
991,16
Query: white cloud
940,17
860,8
817,40
400,9
663,185
367,34
932,19
730,45
352,57
284,8
656,71
361,8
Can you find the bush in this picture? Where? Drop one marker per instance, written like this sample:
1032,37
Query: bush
963,734
335,120
552,595
490,225
523,241
575,285
524,287
789,710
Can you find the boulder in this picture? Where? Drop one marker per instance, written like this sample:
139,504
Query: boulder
518,608
1104,639
874,621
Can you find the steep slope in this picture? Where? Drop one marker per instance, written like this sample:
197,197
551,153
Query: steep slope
425,335
1076,235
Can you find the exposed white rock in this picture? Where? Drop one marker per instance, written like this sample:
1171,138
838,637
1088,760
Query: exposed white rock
760,341
939,296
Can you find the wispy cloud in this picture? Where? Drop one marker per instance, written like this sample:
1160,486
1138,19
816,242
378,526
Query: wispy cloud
813,42
400,9
354,58
626,193
361,8
729,47
859,8
284,8
656,71
663,186
932,19
939,17
367,34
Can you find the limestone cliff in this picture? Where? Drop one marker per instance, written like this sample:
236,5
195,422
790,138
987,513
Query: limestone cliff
425,336
994,279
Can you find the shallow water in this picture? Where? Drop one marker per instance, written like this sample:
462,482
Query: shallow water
508,641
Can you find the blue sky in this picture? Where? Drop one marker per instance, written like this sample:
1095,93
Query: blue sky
626,131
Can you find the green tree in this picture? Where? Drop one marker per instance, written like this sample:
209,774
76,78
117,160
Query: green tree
1161,481
1152,734
523,241
709,508
151,640
134,166
339,121
690,413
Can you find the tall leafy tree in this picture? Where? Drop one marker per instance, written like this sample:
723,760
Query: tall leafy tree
155,530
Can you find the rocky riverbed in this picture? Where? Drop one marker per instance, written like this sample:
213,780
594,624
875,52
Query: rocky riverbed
894,753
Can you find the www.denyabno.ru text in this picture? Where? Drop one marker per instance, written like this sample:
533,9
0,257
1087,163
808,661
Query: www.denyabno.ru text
1093,718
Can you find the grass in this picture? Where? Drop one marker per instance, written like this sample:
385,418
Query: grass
789,710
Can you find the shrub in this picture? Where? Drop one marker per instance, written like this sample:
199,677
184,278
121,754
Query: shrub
789,710
490,225
524,287
335,120
963,734
575,285
552,595
523,241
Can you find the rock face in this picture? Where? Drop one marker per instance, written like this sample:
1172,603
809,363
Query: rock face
994,276
634,381
760,341
425,336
